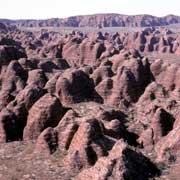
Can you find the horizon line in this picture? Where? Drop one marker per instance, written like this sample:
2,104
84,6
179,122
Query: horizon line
93,14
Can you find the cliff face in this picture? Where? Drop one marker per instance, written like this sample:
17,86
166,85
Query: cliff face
99,20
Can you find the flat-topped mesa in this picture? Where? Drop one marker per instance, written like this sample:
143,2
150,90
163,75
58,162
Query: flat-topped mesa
99,21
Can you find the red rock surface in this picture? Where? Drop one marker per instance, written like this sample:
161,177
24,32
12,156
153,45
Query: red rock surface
99,20
89,106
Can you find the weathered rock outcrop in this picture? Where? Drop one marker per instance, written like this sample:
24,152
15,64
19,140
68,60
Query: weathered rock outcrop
131,77
121,163
46,112
89,106
74,86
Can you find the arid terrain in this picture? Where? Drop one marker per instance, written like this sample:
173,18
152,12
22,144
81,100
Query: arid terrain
93,101
98,20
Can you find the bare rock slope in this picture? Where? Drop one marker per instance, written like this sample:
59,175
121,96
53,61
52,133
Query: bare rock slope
88,106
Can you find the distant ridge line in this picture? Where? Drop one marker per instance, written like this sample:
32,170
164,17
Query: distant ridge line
97,20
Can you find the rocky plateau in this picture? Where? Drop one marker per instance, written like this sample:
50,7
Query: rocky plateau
89,106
